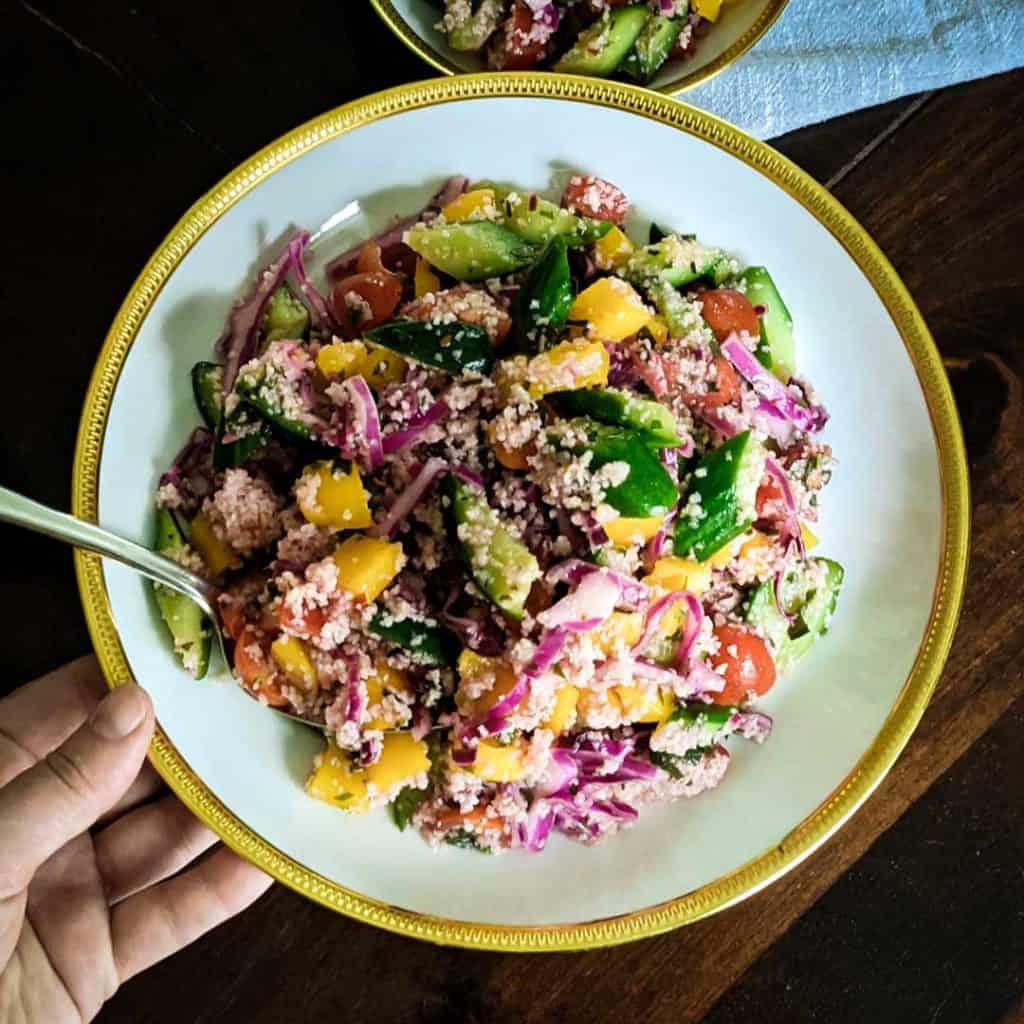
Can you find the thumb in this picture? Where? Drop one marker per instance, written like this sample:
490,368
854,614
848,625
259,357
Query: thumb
46,806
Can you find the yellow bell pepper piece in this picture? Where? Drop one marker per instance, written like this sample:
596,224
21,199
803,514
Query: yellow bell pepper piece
341,358
212,550
612,307
293,659
707,8
568,367
475,205
336,499
402,758
613,249
424,279
495,763
384,678
727,552
474,667
810,540
658,329
336,782
563,714
367,565
674,573
382,367
624,532
620,629
640,704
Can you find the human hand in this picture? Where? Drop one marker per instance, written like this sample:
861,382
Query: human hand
87,897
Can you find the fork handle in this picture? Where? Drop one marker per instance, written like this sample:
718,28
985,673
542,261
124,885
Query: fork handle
21,511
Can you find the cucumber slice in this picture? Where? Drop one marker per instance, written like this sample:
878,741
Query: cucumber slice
472,30
723,489
425,643
776,323
249,434
602,47
678,312
502,566
652,47
651,420
263,401
187,625
540,220
456,348
284,317
206,388
472,251
545,296
648,490
677,260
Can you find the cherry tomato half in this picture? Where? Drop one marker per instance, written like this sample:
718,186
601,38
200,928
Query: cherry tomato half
727,386
749,665
725,310
515,49
367,298
595,197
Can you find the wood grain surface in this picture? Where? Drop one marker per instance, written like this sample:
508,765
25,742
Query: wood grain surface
116,118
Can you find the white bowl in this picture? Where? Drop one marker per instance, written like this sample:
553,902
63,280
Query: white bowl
739,27
895,513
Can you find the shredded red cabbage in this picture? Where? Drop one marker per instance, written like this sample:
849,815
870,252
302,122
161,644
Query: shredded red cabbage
192,473
409,498
367,420
632,593
468,476
589,605
400,440
322,315
752,725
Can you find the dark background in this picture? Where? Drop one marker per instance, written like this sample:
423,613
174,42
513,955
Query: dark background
116,118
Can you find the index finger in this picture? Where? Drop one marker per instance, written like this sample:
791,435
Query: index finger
38,717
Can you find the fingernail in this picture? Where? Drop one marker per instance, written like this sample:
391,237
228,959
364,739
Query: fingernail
120,713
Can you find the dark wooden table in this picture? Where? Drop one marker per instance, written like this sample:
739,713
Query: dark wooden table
116,117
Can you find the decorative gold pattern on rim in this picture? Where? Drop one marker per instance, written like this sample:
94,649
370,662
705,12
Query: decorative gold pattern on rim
914,695
686,81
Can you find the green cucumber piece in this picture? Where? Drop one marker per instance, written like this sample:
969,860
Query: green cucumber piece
545,297
187,625
725,484
250,433
263,401
472,32
648,490
455,348
776,323
652,47
539,221
602,47
285,317
206,388
430,644
676,764
677,260
471,250
502,566
679,313
651,420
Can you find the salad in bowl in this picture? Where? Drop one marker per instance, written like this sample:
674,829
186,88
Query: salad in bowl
520,510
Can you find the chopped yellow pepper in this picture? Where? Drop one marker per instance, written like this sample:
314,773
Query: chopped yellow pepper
568,367
401,760
624,532
495,763
613,249
612,307
707,8
674,573
475,205
424,279
640,704
367,565
658,329
384,678
338,499
382,367
336,782
810,540
472,669
620,629
293,659
727,552
212,550
341,358
563,714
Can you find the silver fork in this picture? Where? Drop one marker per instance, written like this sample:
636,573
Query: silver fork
21,511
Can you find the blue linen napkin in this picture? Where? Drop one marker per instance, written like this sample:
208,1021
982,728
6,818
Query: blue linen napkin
823,58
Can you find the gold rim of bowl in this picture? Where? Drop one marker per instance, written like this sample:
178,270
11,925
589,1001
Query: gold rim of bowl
914,694
685,81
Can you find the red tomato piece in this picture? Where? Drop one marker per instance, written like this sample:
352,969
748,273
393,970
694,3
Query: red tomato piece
749,665
595,197
727,386
725,310
519,45
306,623
367,298
769,499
